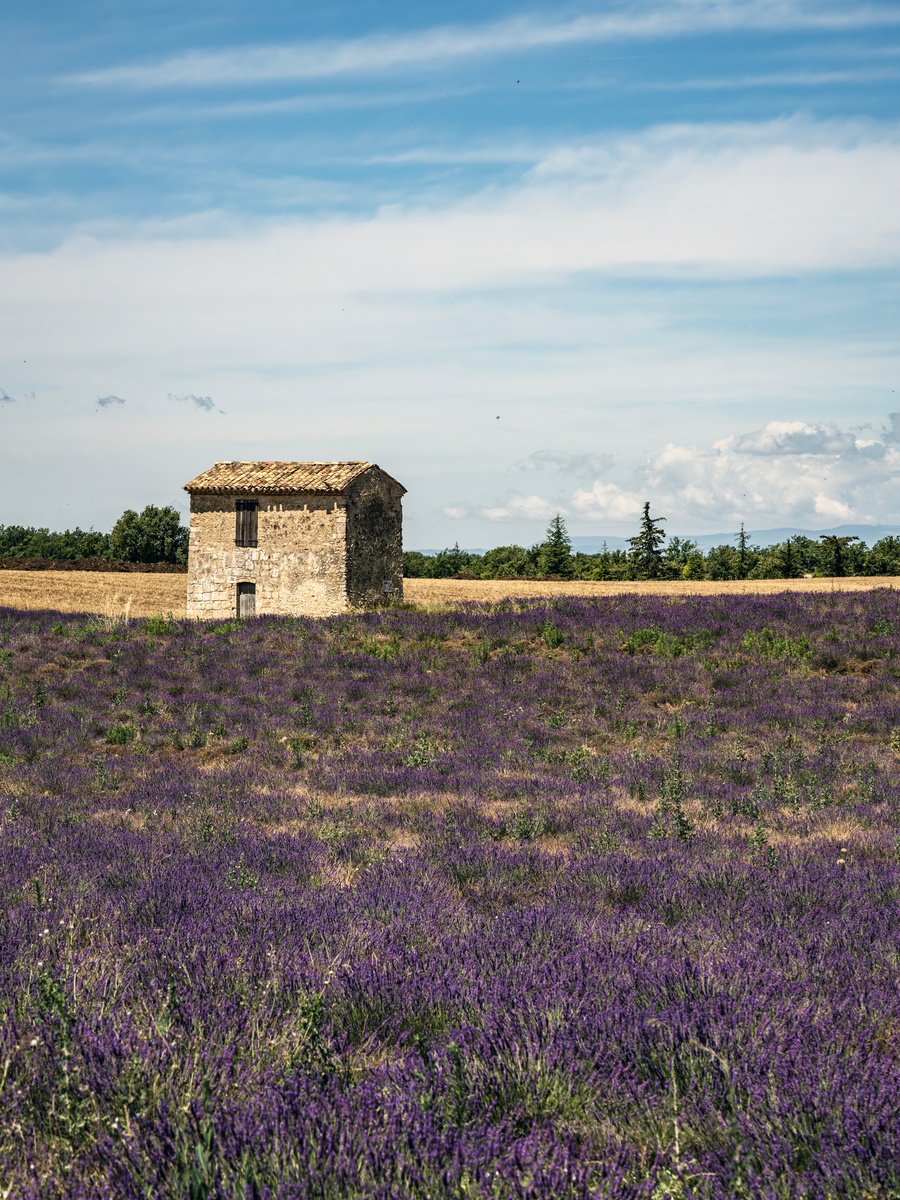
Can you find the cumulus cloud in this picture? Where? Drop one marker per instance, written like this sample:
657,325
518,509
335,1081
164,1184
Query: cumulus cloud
607,502
109,401
787,470
796,437
205,403
566,464
455,511
532,508
892,432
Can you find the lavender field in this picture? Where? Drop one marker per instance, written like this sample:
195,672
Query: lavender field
568,898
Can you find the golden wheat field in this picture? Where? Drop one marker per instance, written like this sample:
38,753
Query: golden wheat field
142,595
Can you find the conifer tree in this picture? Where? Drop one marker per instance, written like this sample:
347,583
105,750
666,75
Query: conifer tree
743,556
788,560
556,550
645,550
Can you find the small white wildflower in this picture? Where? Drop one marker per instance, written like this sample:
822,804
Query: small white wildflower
35,1042
45,932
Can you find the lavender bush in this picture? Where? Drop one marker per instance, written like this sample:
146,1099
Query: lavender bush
572,899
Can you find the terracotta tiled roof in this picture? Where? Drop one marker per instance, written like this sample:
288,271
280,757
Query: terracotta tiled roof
278,478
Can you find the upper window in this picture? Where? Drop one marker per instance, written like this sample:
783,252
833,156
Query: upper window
245,522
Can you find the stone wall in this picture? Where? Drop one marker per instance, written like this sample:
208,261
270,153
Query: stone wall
374,540
299,565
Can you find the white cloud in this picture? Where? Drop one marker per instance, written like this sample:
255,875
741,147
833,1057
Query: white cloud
797,438
405,332
785,471
741,199
427,48
784,197
530,508
456,512
607,502
828,506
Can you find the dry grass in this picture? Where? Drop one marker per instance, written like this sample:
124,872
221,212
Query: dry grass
113,593
451,591
144,595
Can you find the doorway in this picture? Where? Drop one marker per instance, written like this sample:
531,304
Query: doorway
246,600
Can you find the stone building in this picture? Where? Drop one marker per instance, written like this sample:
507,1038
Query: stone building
293,538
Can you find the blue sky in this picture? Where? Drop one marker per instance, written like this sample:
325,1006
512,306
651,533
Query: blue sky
528,259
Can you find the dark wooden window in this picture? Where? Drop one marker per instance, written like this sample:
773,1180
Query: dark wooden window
246,600
245,522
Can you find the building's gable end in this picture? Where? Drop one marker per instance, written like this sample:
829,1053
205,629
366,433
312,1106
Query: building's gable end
374,539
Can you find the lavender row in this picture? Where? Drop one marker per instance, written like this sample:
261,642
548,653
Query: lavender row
576,899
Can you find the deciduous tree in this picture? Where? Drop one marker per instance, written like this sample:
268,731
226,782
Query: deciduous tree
154,535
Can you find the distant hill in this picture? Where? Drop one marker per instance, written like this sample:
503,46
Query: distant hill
758,537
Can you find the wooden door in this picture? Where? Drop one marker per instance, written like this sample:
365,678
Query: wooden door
246,600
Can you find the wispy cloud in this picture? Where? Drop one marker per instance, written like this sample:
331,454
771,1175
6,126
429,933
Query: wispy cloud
204,403
312,102
783,198
775,79
566,464
109,401
427,48
6,398
471,154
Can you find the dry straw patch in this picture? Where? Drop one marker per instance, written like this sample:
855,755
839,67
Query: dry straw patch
111,594
116,597
452,591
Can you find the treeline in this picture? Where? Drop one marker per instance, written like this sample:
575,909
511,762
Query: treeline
155,535
651,555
